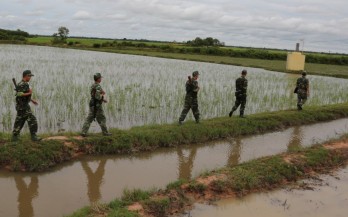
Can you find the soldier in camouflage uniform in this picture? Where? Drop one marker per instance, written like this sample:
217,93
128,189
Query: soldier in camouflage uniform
302,86
96,107
241,94
191,101
24,113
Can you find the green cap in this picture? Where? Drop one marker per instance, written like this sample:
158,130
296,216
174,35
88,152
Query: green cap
97,76
195,73
27,72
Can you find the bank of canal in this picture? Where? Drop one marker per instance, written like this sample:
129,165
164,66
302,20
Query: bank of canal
102,178
326,195
31,156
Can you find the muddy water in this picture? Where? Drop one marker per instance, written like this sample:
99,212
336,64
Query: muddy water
323,198
76,184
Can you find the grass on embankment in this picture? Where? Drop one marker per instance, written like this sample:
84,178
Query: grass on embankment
257,175
30,156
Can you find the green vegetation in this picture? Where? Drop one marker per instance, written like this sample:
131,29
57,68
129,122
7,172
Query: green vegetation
257,175
334,65
13,35
207,50
208,46
30,156
61,36
338,71
197,42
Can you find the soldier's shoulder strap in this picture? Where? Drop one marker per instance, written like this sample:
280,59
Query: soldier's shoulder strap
22,85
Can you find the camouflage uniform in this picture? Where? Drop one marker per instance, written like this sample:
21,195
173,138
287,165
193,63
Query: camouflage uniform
241,95
96,109
191,101
24,112
302,85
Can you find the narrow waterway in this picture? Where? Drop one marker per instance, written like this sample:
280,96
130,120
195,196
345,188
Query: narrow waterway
90,179
323,197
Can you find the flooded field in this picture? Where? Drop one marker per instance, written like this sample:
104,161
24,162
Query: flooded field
323,197
141,90
90,179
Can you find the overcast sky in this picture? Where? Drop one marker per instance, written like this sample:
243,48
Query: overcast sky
322,25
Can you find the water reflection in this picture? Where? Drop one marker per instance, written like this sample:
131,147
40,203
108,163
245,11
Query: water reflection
185,163
26,194
95,179
234,152
295,139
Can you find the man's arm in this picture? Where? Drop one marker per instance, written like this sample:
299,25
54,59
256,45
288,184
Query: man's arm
99,94
23,90
21,94
195,86
245,86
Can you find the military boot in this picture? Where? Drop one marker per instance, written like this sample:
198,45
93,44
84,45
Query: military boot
107,134
299,107
231,113
35,138
241,115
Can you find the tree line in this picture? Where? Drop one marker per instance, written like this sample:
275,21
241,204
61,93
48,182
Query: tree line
207,46
209,41
13,35
217,51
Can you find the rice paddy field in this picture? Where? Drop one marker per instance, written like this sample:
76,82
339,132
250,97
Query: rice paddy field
140,90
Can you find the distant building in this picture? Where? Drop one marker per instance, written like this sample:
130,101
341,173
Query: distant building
295,60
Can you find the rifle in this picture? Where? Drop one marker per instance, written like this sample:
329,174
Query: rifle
15,84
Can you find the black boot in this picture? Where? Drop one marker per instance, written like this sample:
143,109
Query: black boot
241,115
231,113
107,133
35,138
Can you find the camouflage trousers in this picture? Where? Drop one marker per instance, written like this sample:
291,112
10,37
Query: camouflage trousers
24,115
240,101
190,103
301,98
99,116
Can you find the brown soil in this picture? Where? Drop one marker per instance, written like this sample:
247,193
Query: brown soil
67,142
60,138
337,145
138,208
